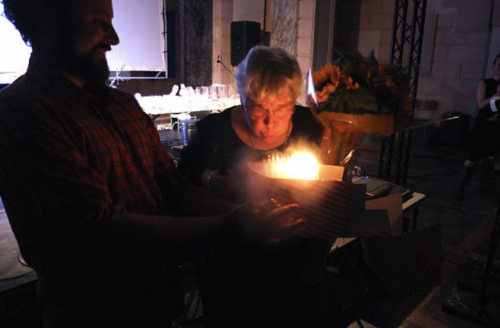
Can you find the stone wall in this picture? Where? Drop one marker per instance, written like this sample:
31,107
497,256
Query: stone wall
290,23
196,42
305,39
284,25
458,44
460,39
221,42
364,25
460,48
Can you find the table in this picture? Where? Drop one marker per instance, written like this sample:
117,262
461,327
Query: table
354,253
17,282
160,105
411,204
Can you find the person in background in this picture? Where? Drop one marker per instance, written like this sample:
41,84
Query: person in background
95,202
485,132
248,284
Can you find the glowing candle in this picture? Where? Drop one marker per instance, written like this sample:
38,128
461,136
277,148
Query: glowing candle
299,165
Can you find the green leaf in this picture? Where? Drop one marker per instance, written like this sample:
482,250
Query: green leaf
360,101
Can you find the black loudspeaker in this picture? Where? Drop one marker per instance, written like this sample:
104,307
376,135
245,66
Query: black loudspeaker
244,36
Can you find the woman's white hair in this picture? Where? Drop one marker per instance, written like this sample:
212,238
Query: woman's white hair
268,72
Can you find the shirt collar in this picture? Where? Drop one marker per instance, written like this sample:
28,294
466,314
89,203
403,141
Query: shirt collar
53,78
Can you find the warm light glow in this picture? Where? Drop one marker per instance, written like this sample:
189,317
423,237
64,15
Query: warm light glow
300,165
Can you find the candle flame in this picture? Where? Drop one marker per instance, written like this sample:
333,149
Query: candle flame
299,165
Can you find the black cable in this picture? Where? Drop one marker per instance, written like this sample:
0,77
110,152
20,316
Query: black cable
219,61
21,261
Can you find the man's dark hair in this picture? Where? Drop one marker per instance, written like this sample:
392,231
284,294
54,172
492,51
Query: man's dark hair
23,14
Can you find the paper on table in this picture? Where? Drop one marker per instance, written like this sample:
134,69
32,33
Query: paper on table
382,217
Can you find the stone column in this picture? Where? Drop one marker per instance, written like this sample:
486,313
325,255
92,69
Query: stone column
195,42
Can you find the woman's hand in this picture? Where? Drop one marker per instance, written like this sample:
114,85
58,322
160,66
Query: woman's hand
220,185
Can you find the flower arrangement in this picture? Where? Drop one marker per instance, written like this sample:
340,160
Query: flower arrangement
357,95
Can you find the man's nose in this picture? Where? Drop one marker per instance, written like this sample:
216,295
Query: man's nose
112,36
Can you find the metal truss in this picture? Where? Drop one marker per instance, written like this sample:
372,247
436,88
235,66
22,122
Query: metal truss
395,156
407,37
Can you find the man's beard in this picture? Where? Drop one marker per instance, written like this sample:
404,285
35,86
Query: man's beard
94,70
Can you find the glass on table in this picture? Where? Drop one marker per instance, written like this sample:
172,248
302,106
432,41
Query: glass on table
222,91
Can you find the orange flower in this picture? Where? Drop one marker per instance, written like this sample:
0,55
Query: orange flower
380,88
326,74
350,85
358,71
335,75
322,95
326,79
319,76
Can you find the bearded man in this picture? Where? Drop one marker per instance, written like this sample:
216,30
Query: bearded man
94,200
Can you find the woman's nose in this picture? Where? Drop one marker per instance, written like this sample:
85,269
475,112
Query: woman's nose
270,120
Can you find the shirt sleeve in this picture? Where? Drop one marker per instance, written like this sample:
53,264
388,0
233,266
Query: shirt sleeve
49,188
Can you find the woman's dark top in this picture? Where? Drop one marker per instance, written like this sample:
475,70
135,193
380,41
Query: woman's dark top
491,88
218,147
486,131
255,285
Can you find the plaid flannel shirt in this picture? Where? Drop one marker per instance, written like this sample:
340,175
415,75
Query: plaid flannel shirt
73,161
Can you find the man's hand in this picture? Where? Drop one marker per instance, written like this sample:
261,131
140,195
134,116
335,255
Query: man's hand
263,221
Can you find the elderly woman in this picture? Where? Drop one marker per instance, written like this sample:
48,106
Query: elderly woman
268,82
257,285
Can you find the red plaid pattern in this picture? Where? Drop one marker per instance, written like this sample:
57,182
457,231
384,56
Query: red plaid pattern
74,160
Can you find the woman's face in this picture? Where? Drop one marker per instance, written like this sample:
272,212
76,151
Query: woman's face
269,118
